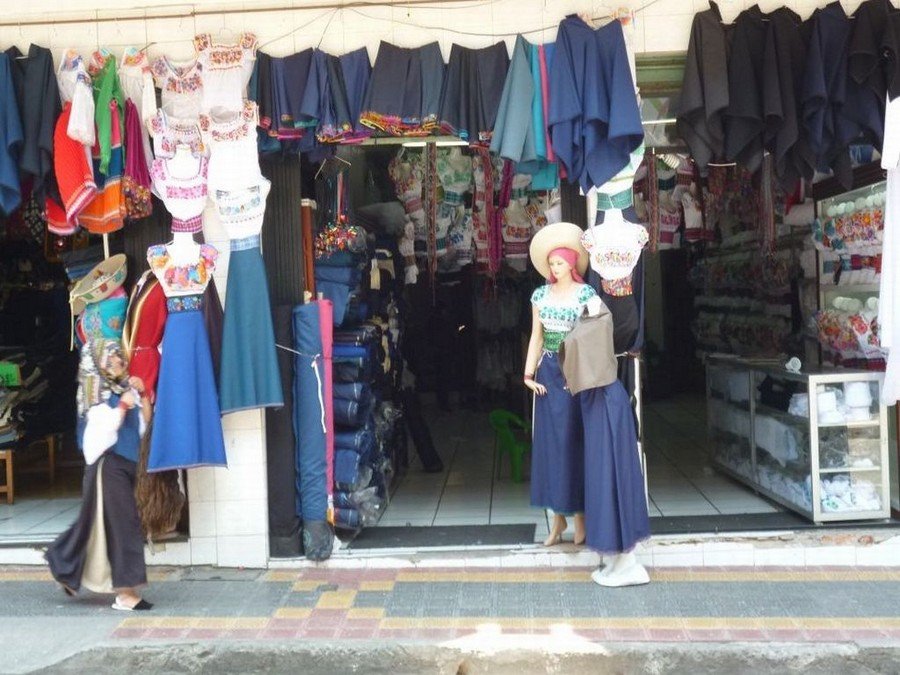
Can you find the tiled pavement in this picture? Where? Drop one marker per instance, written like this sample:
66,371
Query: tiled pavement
725,605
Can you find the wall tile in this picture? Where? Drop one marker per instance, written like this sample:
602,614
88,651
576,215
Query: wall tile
177,553
239,518
202,484
248,482
203,518
242,551
203,550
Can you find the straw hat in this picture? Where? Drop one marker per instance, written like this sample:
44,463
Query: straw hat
557,235
99,283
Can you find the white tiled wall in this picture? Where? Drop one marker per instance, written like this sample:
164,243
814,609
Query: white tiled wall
662,26
228,507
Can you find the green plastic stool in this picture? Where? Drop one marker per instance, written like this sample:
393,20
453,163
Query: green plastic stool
505,441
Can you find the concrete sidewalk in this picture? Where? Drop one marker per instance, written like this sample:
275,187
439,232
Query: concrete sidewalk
311,620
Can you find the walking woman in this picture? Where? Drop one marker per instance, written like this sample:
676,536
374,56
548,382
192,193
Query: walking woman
103,550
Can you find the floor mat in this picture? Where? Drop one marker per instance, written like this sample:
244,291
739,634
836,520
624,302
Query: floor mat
451,535
750,522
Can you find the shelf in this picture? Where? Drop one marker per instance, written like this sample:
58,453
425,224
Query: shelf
850,288
851,469
867,424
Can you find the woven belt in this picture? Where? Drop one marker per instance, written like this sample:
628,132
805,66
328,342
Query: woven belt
245,243
184,303
619,200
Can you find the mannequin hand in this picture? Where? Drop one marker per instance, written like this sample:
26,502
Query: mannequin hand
536,387
128,399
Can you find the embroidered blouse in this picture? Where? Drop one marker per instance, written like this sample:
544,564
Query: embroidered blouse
558,315
137,84
181,85
241,210
184,198
169,132
75,86
180,280
231,139
614,251
226,70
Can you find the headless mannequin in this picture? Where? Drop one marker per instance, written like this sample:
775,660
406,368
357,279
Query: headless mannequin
183,249
564,287
618,235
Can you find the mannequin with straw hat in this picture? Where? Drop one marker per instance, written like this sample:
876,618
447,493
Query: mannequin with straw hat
557,465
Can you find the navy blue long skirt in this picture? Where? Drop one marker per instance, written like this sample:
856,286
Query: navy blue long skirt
187,425
248,376
557,448
615,509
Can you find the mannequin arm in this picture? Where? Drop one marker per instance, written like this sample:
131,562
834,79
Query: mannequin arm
534,344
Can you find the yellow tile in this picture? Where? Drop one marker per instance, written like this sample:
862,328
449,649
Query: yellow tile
365,613
36,575
376,585
248,622
306,585
280,575
293,613
704,622
336,599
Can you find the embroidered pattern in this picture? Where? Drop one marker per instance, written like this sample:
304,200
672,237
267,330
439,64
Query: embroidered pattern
224,57
558,318
182,279
184,303
177,79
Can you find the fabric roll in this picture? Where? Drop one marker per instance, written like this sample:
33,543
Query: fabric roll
361,441
347,466
187,429
472,91
351,276
349,413
353,391
281,465
249,376
557,448
310,427
326,333
615,509
347,519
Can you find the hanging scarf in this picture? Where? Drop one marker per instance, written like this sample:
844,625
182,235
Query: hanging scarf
95,381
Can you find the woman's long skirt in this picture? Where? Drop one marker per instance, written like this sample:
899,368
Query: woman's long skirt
107,553
557,449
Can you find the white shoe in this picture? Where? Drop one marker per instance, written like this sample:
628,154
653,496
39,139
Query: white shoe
633,575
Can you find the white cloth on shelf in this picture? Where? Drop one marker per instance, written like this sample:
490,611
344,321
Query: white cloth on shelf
889,297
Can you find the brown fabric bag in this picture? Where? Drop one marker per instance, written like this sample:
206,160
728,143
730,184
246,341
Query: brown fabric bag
587,356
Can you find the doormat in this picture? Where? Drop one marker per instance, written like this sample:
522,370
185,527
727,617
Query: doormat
751,522
447,535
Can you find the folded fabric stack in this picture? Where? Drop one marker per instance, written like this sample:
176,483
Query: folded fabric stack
364,428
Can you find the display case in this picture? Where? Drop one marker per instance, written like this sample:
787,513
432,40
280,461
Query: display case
814,441
848,234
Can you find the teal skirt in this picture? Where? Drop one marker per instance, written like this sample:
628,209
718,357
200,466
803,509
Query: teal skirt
248,376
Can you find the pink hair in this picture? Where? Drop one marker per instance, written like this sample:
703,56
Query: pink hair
571,257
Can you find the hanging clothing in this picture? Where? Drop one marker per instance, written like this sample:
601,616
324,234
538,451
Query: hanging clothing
184,197
615,508
866,84
825,92
169,132
181,86
143,331
74,175
404,94
519,130
744,116
249,376
107,95
136,181
225,70
260,90
594,118
136,80
187,427
704,89
230,137
289,81
75,86
356,71
10,141
473,87
784,65
39,106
